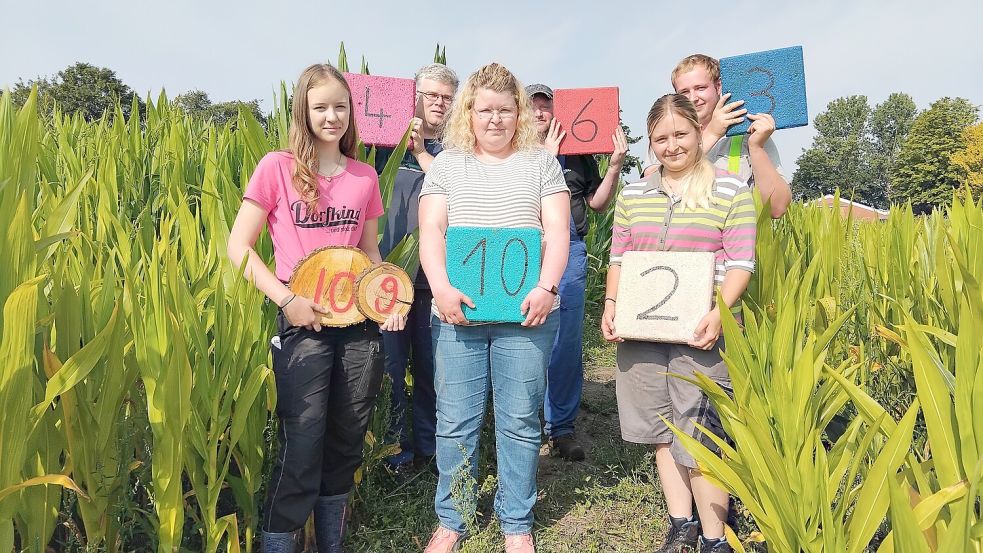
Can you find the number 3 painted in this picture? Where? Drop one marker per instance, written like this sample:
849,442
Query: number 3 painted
647,314
766,91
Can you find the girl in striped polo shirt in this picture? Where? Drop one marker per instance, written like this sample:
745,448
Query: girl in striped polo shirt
685,206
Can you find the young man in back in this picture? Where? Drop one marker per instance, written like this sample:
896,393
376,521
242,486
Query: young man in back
754,156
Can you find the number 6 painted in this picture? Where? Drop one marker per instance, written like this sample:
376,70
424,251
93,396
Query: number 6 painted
577,121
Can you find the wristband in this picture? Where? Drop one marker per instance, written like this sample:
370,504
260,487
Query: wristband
611,300
292,296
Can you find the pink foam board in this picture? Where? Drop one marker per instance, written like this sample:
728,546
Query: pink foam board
383,107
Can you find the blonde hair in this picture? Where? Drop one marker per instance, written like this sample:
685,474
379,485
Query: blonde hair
697,184
303,143
458,132
688,63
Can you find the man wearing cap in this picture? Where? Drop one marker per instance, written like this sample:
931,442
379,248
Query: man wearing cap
565,374
436,85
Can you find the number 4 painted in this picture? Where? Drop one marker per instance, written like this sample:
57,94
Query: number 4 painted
382,115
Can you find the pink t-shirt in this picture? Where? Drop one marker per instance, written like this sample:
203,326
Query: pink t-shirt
345,202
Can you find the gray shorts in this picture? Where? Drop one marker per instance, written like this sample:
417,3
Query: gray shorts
645,392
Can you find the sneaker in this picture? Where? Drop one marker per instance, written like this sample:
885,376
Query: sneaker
567,447
519,543
443,540
715,545
683,536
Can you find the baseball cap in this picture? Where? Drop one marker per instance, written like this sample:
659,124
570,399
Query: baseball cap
537,88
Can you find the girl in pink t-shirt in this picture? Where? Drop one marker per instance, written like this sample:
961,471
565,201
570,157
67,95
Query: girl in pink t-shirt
314,194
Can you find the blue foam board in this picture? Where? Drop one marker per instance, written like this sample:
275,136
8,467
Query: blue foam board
495,267
769,82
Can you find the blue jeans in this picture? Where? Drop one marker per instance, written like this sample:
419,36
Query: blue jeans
416,337
510,361
565,375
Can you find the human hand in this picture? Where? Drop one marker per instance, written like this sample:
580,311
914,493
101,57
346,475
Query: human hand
554,137
394,323
620,149
301,311
760,130
537,306
724,115
707,331
607,323
415,145
449,302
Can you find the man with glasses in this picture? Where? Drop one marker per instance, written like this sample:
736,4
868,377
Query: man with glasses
436,85
565,374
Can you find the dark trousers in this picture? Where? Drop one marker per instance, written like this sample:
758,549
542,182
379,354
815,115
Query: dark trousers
326,384
415,338
565,374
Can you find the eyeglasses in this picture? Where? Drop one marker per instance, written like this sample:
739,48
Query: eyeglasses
432,97
488,114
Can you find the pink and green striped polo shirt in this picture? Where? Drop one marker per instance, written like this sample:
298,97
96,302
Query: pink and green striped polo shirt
646,218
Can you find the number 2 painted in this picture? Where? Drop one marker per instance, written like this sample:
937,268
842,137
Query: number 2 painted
647,314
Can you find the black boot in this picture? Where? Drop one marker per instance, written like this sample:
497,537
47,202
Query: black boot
683,535
715,545
567,447
279,542
329,522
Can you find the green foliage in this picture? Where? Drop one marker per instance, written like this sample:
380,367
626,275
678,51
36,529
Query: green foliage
889,125
855,149
197,104
440,54
81,88
810,484
924,173
969,160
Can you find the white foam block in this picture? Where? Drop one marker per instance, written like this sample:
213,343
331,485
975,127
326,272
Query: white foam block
663,295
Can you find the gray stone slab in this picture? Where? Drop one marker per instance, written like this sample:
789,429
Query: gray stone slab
663,295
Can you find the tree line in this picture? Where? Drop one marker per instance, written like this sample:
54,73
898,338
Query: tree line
92,91
886,154
893,153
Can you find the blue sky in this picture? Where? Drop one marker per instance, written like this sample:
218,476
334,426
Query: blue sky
242,50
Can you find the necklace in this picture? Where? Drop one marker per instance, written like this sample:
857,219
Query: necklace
334,173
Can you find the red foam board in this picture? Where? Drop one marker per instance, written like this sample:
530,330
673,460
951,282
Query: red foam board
589,116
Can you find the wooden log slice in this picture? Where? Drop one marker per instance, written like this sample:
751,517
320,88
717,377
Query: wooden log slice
328,276
383,290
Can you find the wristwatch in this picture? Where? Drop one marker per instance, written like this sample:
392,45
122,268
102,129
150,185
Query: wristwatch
554,290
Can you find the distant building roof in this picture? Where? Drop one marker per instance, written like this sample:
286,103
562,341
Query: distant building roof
857,209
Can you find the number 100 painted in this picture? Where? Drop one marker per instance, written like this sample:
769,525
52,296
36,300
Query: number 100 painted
495,267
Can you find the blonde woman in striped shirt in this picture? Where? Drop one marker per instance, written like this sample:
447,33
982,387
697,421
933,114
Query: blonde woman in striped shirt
687,205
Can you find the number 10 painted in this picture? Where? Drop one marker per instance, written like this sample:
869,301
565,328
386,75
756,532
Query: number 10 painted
496,268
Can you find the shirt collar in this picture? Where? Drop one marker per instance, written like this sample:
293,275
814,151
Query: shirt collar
654,183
